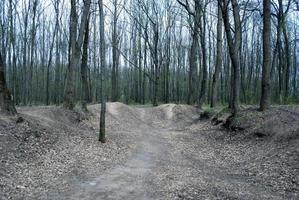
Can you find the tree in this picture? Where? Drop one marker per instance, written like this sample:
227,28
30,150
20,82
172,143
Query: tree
196,16
84,69
32,46
115,53
102,135
218,58
234,42
202,25
156,51
56,5
75,50
265,98
6,100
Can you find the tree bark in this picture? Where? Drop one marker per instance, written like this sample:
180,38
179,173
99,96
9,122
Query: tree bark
115,55
102,134
265,97
6,100
203,89
234,49
84,69
218,59
287,63
75,44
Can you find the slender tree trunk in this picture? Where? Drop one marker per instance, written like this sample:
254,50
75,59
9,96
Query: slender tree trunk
84,69
287,63
115,55
295,67
24,67
156,64
50,56
265,97
203,89
102,135
193,56
218,59
33,35
6,100
234,49
144,73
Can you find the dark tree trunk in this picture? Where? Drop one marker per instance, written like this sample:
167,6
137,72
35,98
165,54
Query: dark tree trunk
218,59
102,133
115,56
265,97
203,87
33,35
287,63
75,50
6,100
50,57
156,64
84,69
234,49
295,67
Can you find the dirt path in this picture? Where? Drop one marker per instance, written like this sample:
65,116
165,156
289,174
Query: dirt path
129,180
160,153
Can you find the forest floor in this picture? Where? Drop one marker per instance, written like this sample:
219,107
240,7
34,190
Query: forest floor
164,152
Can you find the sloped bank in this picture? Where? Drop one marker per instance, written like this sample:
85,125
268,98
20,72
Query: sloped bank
52,147
264,144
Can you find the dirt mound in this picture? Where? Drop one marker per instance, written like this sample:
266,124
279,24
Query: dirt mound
119,116
122,116
174,116
54,117
279,123
49,147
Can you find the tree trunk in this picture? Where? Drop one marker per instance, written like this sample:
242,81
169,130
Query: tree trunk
287,63
295,67
234,49
33,35
265,97
218,59
156,64
6,100
75,43
203,89
84,69
102,135
115,55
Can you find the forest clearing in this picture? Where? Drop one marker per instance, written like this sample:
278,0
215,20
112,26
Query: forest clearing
149,99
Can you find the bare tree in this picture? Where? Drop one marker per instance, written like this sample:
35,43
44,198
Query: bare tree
115,52
84,69
196,17
265,98
102,135
6,100
234,42
75,47
218,58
